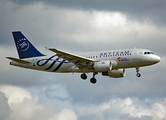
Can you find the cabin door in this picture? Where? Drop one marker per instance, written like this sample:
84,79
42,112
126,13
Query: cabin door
135,54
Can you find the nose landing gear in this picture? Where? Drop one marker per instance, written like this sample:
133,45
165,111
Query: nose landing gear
137,70
138,75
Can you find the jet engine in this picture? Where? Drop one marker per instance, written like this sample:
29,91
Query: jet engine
102,66
115,73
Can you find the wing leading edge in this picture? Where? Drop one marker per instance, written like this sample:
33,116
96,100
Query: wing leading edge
71,57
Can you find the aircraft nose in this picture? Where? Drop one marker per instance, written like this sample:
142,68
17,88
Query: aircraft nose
156,59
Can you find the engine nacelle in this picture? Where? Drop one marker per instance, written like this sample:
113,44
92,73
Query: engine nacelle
102,66
115,73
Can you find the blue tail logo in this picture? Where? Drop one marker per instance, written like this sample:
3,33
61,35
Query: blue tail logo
24,47
22,44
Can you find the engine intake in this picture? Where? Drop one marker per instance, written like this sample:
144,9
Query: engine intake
115,73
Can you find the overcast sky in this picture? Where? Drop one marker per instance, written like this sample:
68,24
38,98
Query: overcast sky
80,26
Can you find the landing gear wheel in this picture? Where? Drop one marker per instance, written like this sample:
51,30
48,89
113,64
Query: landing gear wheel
84,76
138,75
137,70
93,80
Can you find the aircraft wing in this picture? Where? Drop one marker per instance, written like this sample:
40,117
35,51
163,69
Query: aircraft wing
71,57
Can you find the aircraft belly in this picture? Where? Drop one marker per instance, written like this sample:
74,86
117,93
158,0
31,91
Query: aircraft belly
124,64
65,67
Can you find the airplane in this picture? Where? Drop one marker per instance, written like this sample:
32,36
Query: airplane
111,63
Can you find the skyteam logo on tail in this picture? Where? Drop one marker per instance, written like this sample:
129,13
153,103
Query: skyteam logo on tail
22,44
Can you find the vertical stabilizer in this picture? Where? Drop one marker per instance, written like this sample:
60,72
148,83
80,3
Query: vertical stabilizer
24,47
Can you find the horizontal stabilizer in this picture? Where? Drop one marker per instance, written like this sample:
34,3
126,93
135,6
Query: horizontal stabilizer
18,60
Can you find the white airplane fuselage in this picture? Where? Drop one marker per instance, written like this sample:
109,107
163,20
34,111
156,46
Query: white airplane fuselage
127,58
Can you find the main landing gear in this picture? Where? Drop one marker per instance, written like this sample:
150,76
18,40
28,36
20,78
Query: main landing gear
92,80
137,70
84,76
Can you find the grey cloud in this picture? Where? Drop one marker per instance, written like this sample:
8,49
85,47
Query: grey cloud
66,28
150,9
56,91
115,108
25,106
127,108
4,107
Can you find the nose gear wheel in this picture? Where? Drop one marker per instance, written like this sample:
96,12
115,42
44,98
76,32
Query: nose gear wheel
137,70
138,75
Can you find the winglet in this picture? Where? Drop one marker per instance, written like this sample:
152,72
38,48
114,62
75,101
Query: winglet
18,60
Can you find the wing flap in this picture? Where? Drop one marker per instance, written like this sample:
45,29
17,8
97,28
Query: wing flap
70,57
18,60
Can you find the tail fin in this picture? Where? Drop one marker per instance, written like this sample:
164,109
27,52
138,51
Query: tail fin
24,47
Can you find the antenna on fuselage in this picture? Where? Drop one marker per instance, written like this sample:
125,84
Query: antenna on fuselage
46,48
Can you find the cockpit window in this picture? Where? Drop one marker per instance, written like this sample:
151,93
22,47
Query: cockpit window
148,53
